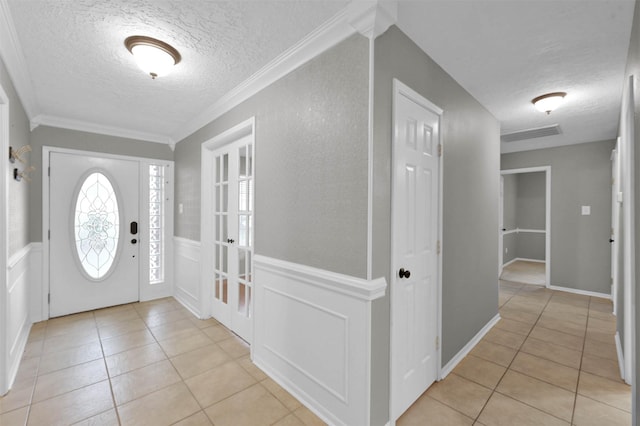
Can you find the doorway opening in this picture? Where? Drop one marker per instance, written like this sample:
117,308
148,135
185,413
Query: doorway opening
227,228
525,226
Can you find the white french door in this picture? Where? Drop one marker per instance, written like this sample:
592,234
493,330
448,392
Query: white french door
233,180
415,247
93,226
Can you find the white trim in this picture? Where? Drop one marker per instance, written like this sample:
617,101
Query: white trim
347,285
620,353
328,306
627,130
400,88
547,232
524,259
370,162
319,40
518,230
102,129
14,60
578,291
444,372
4,233
207,204
46,151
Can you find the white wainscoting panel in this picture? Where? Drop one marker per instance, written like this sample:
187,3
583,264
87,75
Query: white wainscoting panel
18,310
187,274
312,335
39,307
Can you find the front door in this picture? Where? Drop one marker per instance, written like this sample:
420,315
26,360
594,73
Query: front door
93,242
233,242
414,288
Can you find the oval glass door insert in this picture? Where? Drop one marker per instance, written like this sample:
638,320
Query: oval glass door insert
96,225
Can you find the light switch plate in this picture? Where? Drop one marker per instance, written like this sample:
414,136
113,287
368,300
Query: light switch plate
586,210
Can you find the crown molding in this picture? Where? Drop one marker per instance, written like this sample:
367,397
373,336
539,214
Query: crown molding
85,126
367,17
14,60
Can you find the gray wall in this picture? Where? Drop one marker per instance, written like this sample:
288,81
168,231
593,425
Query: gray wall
311,163
471,195
633,68
580,175
18,191
72,139
531,200
510,196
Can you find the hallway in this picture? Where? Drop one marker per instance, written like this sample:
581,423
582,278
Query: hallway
551,360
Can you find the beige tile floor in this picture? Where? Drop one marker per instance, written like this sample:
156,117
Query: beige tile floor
147,363
525,272
551,360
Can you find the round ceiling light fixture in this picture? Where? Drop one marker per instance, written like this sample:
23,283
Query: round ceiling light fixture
155,57
548,102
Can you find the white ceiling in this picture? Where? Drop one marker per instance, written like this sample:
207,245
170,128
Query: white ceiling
503,52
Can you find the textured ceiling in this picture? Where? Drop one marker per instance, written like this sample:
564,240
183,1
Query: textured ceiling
80,69
505,53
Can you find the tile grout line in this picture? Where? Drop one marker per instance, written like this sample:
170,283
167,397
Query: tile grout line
494,390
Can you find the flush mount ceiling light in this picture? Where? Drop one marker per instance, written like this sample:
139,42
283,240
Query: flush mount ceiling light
155,57
548,102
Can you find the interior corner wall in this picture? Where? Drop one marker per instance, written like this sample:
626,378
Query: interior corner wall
580,175
471,165
311,199
85,141
18,191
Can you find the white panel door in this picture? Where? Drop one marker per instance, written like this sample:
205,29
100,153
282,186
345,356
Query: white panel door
93,247
414,288
233,242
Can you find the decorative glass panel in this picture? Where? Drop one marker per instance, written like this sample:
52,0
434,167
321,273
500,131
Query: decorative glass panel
97,225
156,223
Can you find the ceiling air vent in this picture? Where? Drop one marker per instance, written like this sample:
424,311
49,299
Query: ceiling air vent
538,132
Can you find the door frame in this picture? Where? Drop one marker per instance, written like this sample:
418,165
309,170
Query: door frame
146,291
399,89
4,240
500,228
207,205
615,225
547,196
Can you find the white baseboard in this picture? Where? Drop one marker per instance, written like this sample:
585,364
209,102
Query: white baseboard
444,371
524,259
582,292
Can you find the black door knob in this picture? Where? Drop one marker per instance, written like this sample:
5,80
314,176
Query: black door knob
134,241
611,240
403,273
230,241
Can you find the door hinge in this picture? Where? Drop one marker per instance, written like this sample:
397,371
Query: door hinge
438,247
437,343
439,150
49,171
48,234
49,298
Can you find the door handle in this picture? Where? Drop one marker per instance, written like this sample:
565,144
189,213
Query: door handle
611,240
133,228
404,273
230,240
134,241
